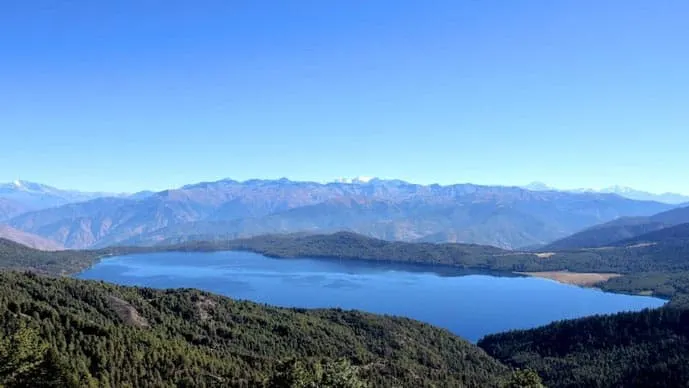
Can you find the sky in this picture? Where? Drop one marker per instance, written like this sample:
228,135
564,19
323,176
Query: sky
130,95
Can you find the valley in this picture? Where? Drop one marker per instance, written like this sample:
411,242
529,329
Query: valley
129,234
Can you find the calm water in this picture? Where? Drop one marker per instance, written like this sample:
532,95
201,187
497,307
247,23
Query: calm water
469,305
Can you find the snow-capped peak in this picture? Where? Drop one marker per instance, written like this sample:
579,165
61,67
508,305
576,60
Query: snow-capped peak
618,189
356,180
538,186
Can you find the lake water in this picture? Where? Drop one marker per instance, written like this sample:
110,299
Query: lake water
470,305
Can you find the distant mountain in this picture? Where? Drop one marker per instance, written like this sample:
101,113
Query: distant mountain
538,186
36,196
622,229
628,192
622,191
138,195
29,240
506,217
9,208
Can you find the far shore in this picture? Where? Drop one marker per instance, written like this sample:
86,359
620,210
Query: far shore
575,278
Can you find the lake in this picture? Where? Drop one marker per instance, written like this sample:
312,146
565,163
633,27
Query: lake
470,305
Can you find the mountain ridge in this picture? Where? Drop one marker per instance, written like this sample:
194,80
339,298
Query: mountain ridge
623,191
32,196
621,229
508,217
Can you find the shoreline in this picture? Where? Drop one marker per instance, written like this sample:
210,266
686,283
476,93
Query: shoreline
584,279
580,279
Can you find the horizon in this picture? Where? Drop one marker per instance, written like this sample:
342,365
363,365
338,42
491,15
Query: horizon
352,180
125,97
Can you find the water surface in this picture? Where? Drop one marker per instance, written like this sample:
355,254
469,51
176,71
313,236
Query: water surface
470,305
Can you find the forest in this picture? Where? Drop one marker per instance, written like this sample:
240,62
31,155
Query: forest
641,349
68,332
345,245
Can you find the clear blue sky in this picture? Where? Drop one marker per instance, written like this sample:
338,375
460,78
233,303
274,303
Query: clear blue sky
126,95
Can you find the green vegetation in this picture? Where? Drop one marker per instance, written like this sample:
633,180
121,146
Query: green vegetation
57,332
345,245
643,349
97,334
622,229
660,269
15,256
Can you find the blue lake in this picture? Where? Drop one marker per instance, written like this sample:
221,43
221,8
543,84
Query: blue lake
470,305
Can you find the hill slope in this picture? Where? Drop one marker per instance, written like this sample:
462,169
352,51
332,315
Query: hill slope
116,336
621,229
15,256
30,240
644,349
678,234
9,209
508,217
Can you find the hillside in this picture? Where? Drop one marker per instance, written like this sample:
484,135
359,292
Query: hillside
507,217
30,240
678,234
644,349
105,335
15,256
9,208
621,229
348,245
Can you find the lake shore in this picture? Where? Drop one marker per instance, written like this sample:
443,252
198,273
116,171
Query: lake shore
576,278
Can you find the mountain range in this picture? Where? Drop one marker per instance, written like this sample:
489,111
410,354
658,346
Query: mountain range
621,230
35,196
507,217
623,191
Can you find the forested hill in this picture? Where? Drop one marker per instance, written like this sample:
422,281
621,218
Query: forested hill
678,234
661,269
67,332
347,245
20,257
619,230
643,349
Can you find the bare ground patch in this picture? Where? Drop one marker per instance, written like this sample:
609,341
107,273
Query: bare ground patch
127,312
576,278
545,255
205,306
642,245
